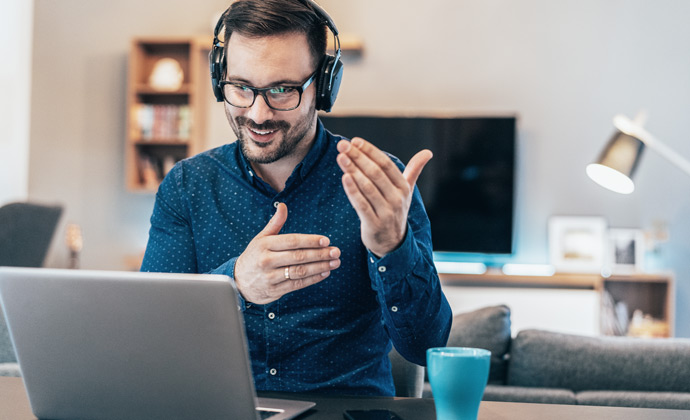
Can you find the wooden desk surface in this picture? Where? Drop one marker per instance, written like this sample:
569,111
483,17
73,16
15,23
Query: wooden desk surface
14,405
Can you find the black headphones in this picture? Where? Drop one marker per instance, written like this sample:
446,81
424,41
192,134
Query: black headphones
328,76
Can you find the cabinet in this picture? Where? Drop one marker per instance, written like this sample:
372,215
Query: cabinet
163,123
651,294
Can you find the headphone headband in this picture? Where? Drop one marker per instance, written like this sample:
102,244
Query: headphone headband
328,76
326,18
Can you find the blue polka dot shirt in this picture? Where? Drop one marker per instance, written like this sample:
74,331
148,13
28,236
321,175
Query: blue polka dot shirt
334,336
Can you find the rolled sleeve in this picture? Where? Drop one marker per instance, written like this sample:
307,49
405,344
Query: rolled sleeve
415,310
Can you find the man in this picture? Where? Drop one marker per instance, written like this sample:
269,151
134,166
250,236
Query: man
326,287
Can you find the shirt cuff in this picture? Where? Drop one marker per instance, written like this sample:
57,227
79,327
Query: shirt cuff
228,269
396,264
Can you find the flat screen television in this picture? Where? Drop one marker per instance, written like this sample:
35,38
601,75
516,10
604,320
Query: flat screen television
468,186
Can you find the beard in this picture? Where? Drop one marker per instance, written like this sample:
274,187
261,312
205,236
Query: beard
290,137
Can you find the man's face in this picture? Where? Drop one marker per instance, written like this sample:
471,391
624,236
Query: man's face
267,135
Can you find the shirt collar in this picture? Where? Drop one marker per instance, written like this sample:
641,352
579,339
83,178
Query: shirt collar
314,156
302,169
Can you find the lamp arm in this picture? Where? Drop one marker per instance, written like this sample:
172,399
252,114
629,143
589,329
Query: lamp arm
627,126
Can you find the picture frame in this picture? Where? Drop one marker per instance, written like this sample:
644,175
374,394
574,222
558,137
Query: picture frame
625,250
577,244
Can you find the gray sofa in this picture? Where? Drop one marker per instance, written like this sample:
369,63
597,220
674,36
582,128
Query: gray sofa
547,367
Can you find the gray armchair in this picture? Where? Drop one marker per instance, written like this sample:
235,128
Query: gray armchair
26,231
408,377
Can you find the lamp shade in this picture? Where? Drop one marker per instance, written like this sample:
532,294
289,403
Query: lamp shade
617,163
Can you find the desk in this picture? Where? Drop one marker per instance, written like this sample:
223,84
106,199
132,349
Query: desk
14,405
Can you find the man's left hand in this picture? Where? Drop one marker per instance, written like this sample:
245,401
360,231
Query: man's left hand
379,192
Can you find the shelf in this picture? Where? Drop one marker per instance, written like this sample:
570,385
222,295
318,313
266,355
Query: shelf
145,89
640,277
350,44
495,277
161,142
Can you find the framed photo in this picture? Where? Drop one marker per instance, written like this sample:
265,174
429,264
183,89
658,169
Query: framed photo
625,250
577,244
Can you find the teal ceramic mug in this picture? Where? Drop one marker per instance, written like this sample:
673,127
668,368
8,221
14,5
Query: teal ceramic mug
458,376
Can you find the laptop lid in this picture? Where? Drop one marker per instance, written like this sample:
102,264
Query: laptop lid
116,345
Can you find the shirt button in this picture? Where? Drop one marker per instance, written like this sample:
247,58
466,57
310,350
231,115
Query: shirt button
275,204
273,372
382,269
394,308
371,259
271,315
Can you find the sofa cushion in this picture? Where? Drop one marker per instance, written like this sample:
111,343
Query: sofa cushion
554,360
528,395
486,328
669,400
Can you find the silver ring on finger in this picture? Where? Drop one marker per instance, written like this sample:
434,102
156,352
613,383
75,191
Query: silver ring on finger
287,273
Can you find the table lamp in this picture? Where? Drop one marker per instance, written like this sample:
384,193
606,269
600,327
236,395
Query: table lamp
617,162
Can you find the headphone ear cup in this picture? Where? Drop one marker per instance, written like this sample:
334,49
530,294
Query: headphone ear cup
328,83
216,60
322,82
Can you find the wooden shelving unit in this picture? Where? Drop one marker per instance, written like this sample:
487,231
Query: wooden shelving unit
163,126
148,156
651,293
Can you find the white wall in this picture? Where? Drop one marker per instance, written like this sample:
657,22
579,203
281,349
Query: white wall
565,67
572,311
16,30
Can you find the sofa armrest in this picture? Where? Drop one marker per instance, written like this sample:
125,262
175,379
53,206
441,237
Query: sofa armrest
486,328
408,377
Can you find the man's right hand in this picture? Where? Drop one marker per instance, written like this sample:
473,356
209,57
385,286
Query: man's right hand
273,265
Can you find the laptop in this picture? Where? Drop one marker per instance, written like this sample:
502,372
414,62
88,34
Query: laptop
126,345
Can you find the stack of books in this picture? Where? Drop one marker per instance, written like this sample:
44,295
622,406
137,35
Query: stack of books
161,122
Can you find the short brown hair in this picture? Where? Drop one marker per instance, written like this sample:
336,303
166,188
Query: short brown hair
260,18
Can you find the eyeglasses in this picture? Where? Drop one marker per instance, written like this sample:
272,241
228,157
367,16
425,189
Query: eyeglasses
280,98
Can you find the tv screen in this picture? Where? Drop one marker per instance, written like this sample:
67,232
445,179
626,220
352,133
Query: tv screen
468,186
